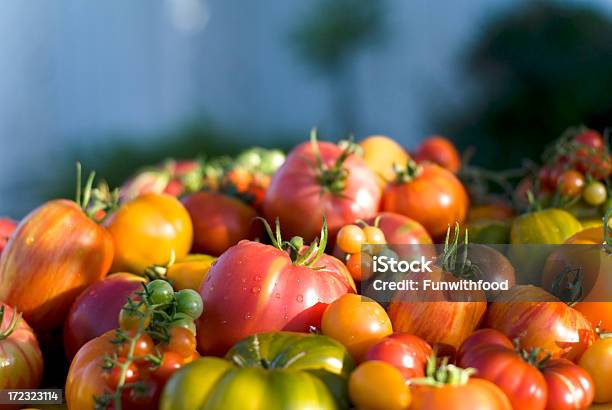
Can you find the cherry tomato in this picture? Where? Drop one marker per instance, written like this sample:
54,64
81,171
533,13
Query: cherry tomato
357,322
350,238
189,302
185,321
375,385
374,235
359,266
171,362
595,193
160,292
597,361
590,138
129,320
571,183
406,352
144,345
182,341
113,376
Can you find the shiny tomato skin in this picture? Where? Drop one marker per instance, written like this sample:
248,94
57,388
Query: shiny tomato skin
597,361
146,230
500,364
220,221
441,151
376,385
7,227
255,288
590,138
54,254
406,352
539,319
298,199
20,356
96,310
476,394
570,387
435,198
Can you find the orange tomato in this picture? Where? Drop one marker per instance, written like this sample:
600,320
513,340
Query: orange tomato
357,322
376,385
597,361
146,230
381,154
441,151
589,236
190,271
54,254
475,394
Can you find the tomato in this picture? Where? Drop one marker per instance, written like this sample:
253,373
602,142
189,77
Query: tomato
303,190
149,181
357,322
441,151
541,320
595,193
429,194
489,231
408,353
113,377
588,236
7,227
130,321
499,211
170,363
498,363
445,319
189,302
590,138
20,357
55,253
257,288
182,341
593,162
219,221
381,154
350,238
377,385
146,230
266,371
96,310
359,266
190,271
374,235
569,386
143,346
571,183
597,361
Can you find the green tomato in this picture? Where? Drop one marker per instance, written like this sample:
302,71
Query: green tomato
160,292
271,160
184,320
277,370
189,301
595,193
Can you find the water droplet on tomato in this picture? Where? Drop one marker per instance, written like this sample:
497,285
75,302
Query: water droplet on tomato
29,240
248,316
300,298
277,295
257,278
256,289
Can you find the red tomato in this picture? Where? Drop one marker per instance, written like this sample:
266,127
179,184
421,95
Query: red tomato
182,341
569,386
441,151
302,192
171,362
541,320
256,288
404,235
219,221
590,138
21,362
571,183
7,227
475,394
55,253
429,194
113,377
500,364
408,353
593,162
96,310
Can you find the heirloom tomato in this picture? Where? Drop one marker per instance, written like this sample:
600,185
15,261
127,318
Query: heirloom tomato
55,253
256,288
219,221
21,362
406,352
539,319
569,386
439,150
96,310
376,385
190,271
146,230
429,194
498,211
7,227
321,179
357,322
597,361
381,154
265,371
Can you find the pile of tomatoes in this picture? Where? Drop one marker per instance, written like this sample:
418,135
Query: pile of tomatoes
235,283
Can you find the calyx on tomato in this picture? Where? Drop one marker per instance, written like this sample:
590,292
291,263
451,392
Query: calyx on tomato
332,178
444,374
407,173
98,202
12,326
294,247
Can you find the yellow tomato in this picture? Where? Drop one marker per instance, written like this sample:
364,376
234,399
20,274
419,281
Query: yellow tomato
188,272
146,230
380,154
357,322
376,385
597,361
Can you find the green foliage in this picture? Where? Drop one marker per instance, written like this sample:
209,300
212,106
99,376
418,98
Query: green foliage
540,69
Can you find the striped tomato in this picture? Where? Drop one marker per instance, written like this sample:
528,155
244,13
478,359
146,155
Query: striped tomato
21,362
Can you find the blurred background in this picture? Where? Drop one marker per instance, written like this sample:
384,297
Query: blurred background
118,85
